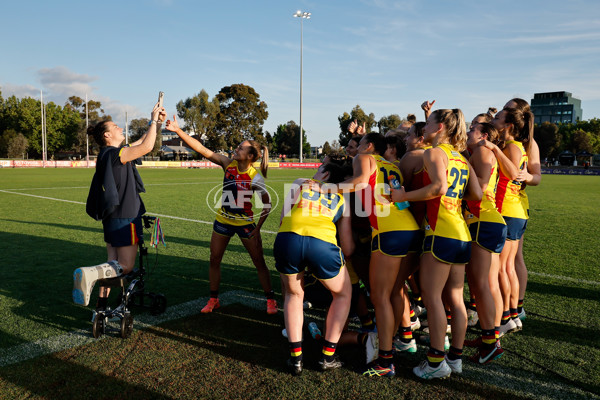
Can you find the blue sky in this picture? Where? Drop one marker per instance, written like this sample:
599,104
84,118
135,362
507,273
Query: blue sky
387,56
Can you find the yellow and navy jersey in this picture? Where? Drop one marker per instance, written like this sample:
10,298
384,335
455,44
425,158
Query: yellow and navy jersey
485,209
383,214
524,198
444,213
238,190
508,197
314,214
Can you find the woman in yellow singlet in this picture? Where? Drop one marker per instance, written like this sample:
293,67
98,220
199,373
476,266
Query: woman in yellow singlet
235,215
516,129
531,176
446,248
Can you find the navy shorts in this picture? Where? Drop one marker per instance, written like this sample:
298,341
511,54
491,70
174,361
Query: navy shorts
121,232
489,235
515,228
397,243
295,252
446,250
230,230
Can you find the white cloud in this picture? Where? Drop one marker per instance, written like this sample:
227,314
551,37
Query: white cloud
19,91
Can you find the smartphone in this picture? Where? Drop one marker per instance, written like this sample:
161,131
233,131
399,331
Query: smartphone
161,96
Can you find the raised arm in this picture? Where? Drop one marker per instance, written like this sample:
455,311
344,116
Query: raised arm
195,145
146,143
426,107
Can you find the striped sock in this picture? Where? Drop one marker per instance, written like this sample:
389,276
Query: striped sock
435,357
454,353
328,350
448,317
472,305
296,351
385,358
406,334
497,332
520,306
505,317
488,339
513,313
413,316
214,294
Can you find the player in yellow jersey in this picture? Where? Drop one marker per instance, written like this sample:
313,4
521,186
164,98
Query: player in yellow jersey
307,238
532,176
488,232
235,215
516,129
447,244
394,234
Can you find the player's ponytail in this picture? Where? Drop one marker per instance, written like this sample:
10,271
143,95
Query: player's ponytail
255,150
264,163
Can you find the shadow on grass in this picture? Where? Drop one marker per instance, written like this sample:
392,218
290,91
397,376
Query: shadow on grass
567,290
54,378
253,339
37,282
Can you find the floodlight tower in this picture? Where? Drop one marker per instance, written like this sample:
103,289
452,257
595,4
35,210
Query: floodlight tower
302,15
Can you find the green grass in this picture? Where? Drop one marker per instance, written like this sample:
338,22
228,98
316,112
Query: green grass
239,352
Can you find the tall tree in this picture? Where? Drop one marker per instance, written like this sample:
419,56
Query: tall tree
326,148
287,140
241,114
199,113
361,117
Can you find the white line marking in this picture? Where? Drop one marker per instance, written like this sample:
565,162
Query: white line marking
566,278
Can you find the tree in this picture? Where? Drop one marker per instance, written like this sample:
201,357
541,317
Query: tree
335,146
17,146
5,138
270,142
548,139
199,113
361,117
241,115
390,122
326,148
95,113
137,127
582,141
287,139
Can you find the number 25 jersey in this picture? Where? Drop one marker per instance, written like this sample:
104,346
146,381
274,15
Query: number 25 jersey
444,213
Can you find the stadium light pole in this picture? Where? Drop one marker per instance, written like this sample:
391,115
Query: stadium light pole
302,15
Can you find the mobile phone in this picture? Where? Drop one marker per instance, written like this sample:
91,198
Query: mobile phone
161,96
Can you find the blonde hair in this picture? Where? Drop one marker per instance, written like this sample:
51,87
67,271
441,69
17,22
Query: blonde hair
255,150
454,122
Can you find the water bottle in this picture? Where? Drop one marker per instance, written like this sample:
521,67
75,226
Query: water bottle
314,330
284,333
396,185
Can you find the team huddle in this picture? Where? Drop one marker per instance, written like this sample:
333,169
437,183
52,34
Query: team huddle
392,225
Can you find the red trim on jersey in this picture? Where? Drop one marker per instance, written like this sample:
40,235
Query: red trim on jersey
433,205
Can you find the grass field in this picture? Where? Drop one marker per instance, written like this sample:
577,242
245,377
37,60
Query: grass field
46,348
